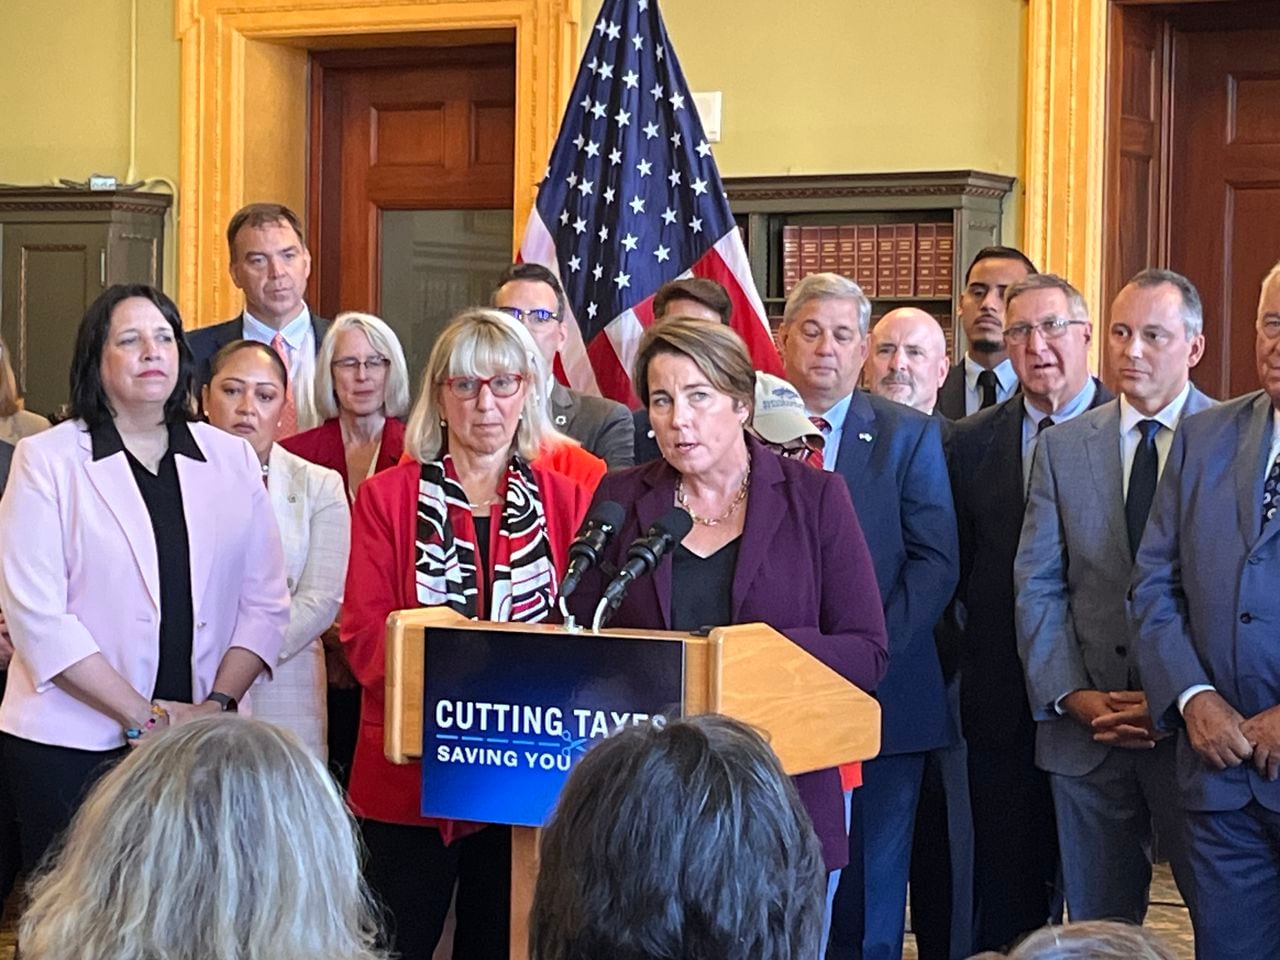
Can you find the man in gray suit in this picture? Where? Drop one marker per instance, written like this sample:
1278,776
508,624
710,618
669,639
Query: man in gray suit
1205,615
1092,482
532,294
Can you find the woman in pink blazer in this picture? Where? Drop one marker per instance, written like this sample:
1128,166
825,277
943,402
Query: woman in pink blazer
141,573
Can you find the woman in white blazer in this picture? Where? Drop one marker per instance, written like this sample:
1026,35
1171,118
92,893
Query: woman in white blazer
244,396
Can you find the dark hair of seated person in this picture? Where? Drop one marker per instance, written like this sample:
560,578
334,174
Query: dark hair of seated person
681,841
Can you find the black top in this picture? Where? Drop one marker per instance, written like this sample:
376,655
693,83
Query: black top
702,587
162,494
482,556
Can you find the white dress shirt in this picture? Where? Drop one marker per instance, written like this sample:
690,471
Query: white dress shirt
1131,436
1006,383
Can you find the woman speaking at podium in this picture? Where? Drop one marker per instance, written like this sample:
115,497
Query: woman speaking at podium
773,540
469,522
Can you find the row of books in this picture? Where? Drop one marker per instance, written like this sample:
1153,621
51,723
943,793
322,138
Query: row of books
885,259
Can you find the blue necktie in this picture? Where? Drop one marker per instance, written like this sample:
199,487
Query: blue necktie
1271,493
1142,484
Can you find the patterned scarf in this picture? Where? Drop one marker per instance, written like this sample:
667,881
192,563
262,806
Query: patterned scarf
523,579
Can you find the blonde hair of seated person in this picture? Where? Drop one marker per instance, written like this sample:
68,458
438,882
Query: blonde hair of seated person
223,839
1088,940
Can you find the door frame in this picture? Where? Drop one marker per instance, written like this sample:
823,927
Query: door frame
243,60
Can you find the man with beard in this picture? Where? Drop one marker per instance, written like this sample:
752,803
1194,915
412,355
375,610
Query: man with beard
984,376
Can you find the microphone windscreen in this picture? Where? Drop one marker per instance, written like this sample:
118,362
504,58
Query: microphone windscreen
609,512
675,523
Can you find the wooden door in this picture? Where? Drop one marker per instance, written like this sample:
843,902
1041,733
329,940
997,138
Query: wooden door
1225,188
412,182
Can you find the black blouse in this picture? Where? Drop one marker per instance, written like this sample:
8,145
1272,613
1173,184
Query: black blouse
162,493
702,587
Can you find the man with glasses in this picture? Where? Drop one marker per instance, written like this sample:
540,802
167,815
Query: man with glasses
1015,866
270,265
1204,610
1092,483
532,294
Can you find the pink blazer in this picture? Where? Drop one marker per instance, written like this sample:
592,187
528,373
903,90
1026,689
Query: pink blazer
78,575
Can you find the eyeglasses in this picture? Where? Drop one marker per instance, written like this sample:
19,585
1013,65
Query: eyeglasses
468,388
536,315
352,364
1052,329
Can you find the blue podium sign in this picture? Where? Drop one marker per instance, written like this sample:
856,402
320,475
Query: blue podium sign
506,714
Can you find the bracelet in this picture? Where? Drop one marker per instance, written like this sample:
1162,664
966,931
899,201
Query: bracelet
157,713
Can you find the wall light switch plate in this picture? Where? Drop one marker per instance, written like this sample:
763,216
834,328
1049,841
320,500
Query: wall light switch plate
708,105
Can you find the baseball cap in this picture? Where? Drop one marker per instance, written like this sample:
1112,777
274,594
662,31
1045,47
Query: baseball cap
779,415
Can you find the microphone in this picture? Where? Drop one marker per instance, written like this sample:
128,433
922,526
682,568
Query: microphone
645,552
584,553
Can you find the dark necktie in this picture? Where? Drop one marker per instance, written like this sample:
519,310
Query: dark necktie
987,384
1044,425
1142,484
1271,493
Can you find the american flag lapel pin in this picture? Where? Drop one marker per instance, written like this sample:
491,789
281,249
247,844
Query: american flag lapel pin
865,437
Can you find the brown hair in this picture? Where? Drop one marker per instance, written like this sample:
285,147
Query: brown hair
714,349
10,401
698,289
259,215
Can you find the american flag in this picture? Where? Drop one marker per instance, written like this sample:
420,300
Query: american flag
631,200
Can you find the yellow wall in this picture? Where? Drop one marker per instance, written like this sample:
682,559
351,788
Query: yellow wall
64,111
810,86
849,86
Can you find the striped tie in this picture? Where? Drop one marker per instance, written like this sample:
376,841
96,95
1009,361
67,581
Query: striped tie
289,415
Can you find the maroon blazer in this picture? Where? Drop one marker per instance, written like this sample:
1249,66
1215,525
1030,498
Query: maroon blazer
323,445
803,568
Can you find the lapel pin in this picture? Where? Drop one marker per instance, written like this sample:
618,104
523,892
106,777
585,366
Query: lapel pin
864,437
561,420
293,498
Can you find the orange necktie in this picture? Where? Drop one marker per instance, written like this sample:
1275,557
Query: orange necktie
289,415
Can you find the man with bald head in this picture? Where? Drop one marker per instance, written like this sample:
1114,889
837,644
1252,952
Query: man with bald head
909,359
1203,612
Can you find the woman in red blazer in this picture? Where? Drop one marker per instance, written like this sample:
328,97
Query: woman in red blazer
361,389
471,523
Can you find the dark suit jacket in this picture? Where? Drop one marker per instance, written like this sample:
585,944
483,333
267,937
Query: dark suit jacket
6,455
323,445
951,393
803,568
1205,606
601,425
985,461
891,458
206,341
646,447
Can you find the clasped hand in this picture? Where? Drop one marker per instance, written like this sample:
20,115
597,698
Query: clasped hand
1223,738
1118,718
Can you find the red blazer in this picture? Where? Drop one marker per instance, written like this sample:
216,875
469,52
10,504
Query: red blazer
323,445
380,579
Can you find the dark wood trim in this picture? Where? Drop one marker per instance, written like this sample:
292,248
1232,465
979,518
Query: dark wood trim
923,184
364,58
315,177
46,200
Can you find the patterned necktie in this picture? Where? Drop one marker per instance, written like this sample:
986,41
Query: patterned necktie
289,415
1142,484
1271,492
822,424
1044,425
987,385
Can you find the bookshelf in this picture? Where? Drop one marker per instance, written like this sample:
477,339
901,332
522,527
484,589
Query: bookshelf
904,237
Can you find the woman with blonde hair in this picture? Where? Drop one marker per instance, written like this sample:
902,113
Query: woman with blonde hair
218,840
472,522
361,392
16,422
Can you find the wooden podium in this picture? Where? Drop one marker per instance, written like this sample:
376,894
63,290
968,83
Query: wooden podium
812,717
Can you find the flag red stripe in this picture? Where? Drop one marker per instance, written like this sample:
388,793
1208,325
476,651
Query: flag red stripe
748,324
613,380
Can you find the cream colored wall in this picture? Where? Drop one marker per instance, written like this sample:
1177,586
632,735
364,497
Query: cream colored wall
849,86
65,108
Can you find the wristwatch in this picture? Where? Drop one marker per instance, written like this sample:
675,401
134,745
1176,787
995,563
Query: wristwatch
228,704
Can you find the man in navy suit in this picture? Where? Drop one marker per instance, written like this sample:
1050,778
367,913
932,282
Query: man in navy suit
1205,616
270,265
1015,853
1091,488
984,376
891,458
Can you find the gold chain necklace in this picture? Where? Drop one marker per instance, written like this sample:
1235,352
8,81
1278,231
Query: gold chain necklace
741,495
